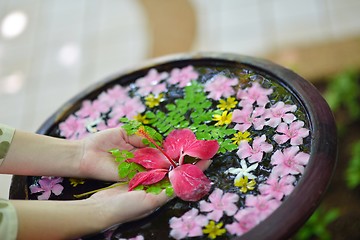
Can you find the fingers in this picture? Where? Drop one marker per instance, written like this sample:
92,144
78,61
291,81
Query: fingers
148,204
133,140
120,206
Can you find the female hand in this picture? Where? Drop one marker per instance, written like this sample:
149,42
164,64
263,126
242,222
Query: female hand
73,219
96,161
118,205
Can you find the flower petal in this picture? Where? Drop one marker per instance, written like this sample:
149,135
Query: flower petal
183,142
150,158
57,189
147,178
36,189
45,195
189,182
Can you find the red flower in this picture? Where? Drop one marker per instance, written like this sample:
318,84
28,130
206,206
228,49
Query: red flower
188,180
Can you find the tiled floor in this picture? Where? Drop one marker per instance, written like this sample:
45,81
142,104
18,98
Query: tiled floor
68,45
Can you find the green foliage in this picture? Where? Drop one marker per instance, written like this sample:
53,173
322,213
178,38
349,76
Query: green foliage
121,155
317,225
158,187
343,96
175,116
132,126
156,136
221,134
353,170
126,169
344,92
129,170
193,112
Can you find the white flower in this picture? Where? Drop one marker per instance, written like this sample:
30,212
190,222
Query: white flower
243,171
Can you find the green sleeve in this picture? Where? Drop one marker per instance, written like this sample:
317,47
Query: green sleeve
8,221
6,136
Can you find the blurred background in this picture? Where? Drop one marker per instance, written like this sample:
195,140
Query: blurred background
51,50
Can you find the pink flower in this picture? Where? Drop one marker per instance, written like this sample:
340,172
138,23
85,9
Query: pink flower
48,185
92,109
256,152
188,225
254,94
72,127
280,111
131,108
219,204
295,132
289,161
117,94
246,219
183,76
221,86
188,180
278,188
111,123
264,205
248,116
151,83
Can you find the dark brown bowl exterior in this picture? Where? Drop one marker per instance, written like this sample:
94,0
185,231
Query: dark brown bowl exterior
302,202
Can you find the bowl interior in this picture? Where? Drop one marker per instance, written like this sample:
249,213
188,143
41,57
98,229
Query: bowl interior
278,113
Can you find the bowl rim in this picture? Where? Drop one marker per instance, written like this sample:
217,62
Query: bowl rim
307,194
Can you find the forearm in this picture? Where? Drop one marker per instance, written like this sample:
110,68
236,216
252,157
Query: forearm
32,154
57,219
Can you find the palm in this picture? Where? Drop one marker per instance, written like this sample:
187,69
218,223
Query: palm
97,162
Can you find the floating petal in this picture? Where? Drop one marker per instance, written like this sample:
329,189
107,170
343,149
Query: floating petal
147,178
183,142
150,158
189,182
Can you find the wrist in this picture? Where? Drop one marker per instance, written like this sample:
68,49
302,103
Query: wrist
78,166
58,219
101,212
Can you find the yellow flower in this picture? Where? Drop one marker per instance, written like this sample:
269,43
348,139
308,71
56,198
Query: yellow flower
152,101
76,181
222,119
241,136
244,184
227,104
214,230
141,118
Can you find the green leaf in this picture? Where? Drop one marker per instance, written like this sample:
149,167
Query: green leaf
123,169
154,189
203,135
130,126
139,187
129,170
115,152
331,215
170,107
121,155
343,91
353,170
317,225
158,187
169,190
149,115
124,120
